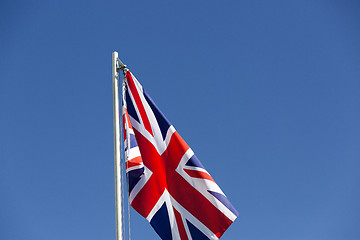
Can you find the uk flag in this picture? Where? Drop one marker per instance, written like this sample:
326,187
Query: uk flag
167,183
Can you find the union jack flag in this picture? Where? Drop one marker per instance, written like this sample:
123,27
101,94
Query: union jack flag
167,183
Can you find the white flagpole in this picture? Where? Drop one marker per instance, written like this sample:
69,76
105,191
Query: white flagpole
117,153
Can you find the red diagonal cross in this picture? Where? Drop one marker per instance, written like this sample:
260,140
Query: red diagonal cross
164,177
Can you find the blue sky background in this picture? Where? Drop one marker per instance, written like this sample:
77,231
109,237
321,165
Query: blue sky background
266,93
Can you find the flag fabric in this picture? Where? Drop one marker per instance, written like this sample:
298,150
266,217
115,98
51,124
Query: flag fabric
167,183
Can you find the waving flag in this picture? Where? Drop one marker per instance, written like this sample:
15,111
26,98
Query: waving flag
167,183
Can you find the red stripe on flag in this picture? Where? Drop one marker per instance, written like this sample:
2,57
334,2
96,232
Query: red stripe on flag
199,174
124,129
138,102
180,224
134,162
149,195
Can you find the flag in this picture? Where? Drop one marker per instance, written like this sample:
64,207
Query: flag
167,184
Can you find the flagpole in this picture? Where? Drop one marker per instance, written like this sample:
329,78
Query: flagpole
117,153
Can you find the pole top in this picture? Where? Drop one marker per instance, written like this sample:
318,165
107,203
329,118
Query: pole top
119,64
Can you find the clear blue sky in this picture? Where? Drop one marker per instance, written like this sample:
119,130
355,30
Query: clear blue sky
266,93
